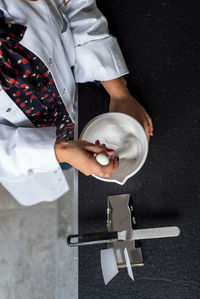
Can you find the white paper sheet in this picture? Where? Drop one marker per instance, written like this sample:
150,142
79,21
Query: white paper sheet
108,264
128,264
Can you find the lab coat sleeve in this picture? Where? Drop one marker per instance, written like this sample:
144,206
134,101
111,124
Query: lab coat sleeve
98,55
25,150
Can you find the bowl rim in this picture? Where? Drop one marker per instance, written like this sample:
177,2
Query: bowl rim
120,182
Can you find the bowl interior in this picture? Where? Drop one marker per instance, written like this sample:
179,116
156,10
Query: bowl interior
112,129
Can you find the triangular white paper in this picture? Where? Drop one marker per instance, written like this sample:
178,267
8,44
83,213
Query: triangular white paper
108,264
128,264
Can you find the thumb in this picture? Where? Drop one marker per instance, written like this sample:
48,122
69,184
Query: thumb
94,148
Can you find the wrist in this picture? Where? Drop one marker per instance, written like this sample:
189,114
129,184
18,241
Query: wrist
60,149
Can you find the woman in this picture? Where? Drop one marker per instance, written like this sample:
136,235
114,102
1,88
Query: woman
46,47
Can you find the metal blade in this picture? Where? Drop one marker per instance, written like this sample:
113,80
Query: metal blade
149,233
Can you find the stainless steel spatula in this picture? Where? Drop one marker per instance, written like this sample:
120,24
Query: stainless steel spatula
126,235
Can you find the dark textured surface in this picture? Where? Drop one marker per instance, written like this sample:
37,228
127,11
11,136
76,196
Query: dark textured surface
160,41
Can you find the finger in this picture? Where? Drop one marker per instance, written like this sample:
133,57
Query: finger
95,148
107,151
150,124
110,151
115,164
147,131
108,170
112,167
103,171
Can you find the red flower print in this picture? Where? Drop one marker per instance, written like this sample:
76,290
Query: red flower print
11,35
35,93
44,88
20,47
24,61
27,72
7,64
12,81
16,83
23,85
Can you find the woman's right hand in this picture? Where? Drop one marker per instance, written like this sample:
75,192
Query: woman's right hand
80,154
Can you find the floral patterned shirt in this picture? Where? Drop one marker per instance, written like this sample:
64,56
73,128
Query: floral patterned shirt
29,83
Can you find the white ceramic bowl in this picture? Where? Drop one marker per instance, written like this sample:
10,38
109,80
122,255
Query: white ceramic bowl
113,129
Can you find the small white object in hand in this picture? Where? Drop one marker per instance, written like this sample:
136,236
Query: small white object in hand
102,159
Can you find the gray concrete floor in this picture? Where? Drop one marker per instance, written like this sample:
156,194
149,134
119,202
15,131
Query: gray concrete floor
35,261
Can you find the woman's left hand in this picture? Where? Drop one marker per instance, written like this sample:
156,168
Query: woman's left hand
129,105
122,101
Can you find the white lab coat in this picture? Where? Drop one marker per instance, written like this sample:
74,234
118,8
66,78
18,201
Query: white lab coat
76,35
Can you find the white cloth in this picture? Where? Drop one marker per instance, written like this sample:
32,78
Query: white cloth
62,36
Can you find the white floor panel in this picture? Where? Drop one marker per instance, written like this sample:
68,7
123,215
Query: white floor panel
35,261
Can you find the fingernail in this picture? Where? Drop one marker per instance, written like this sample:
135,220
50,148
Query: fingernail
152,133
97,142
110,150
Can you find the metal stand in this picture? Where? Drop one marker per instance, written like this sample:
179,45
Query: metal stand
120,217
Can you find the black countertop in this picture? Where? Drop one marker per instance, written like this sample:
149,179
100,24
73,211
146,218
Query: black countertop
160,41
